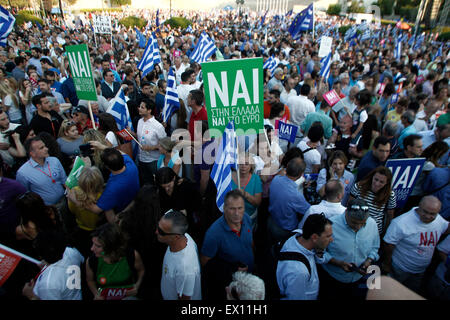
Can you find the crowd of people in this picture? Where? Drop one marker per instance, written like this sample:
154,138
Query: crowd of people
143,222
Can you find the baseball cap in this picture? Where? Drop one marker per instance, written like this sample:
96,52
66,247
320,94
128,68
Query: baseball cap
81,109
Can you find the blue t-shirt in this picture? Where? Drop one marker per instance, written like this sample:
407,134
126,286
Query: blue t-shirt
57,86
68,91
224,243
121,188
253,187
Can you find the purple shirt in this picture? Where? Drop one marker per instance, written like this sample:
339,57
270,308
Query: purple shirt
9,191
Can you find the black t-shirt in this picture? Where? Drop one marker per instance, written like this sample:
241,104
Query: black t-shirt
40,124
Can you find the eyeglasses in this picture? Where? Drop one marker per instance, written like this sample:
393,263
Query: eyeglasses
69,122
163,233
358,207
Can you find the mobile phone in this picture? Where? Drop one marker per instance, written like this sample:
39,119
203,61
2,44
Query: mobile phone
86,150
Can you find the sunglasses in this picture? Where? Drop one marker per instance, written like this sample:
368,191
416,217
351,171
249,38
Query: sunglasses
163,233
357,207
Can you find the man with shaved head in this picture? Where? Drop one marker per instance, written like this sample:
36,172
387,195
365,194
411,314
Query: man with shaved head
410,241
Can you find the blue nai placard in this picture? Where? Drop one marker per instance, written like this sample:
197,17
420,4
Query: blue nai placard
404,176
286,131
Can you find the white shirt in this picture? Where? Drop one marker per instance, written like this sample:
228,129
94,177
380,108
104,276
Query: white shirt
312,157
330,209
52,284
111,137
414,240
149,133
181,273
285,95
444,247
178,73
299,106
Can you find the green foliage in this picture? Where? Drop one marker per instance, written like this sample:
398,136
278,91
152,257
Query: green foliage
120,2
409,13
133,21
386,7
356,8
343,29
178,22
24,16
334,9
444,36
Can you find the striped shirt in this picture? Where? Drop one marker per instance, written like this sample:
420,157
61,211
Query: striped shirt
376,212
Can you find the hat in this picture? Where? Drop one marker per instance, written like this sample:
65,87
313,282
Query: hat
81,109
167,143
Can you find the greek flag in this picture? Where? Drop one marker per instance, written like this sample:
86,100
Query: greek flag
119,110
326,65
419,42
150,57
171,100
262,20
204,49
350,34
303,21
366,35
439,52
141,38
398,50
270,64
226,158
7,21
189,29
157,18
411,40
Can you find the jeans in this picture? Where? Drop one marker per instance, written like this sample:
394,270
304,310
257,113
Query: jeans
411,280
276,233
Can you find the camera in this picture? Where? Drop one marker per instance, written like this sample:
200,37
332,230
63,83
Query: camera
86,150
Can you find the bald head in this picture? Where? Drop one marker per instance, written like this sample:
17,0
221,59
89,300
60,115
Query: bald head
429,208
334,190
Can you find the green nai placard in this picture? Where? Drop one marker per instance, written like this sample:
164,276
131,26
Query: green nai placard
234,91
81,69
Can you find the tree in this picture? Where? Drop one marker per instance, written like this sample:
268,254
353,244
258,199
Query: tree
334,9
119,3
15,3
355,7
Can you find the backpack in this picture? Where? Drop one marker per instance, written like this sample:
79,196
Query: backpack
276,256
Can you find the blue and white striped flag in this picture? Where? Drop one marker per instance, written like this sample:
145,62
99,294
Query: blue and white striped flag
398,50
366,35
150,57
119,110
189,29
350,34
411,40
226,159
326,66
204,49
419,42
171,100
270,64
7,21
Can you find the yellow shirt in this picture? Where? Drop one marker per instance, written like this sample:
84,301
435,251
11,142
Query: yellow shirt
86,219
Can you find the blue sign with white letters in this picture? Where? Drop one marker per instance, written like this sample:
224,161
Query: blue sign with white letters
286,131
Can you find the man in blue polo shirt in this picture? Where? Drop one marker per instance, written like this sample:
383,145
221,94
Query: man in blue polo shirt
287,205
230,237
122,185
374,158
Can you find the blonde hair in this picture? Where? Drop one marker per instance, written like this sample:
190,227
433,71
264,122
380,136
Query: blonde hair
65,126
6,90
90,184
95,135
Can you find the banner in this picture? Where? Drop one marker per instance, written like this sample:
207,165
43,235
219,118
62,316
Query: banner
404,176
125,135
331,97
72,179
8,262
325,46
234,91
102,24
81,69
286,131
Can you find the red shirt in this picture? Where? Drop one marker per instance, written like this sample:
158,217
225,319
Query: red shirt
199,116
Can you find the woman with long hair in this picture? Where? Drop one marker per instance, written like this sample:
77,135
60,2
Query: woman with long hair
89,189
113,265
139,223
95,135
250,185
69,139
25,95
10,103
376,190
108,126
335,169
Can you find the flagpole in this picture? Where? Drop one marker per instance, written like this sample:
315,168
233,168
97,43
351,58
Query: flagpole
91,115
314,22
140,145
237,164
17,253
